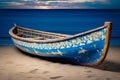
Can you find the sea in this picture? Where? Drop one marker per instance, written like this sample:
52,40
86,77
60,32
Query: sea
67,21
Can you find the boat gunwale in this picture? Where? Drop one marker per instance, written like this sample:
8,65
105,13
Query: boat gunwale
53,40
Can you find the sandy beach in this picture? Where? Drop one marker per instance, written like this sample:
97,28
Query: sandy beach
17,65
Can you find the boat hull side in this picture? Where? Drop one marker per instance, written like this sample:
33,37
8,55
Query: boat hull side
84,50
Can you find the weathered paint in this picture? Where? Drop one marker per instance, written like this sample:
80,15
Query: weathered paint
85,49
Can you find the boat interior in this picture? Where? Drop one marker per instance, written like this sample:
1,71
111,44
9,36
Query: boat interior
37,35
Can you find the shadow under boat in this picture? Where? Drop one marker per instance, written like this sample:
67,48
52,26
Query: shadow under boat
109,66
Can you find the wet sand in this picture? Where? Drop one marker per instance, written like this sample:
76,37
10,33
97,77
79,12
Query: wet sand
17,65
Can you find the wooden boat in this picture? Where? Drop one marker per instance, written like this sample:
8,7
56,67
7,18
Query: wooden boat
87,48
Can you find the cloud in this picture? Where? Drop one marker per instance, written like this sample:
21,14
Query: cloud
57,4
67,1
11,5
14,3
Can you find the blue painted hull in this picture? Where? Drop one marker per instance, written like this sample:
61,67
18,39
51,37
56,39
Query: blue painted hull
86,49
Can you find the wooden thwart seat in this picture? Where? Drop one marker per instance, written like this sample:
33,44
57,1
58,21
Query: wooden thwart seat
39,38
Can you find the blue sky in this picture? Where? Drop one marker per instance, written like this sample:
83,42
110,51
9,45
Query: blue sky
59,4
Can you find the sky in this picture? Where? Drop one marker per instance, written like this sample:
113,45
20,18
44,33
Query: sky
59,4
